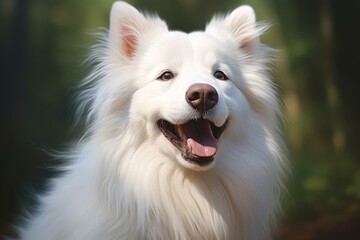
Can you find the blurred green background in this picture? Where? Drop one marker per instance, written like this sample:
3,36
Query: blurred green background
43,44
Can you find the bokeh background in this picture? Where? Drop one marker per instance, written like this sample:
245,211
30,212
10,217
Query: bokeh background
43,44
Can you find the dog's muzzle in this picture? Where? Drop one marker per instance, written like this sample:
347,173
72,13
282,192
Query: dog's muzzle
198,138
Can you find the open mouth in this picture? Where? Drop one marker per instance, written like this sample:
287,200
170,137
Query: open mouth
197,139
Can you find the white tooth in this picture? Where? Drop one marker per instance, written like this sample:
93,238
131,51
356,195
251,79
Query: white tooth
219,122
178,130
190,147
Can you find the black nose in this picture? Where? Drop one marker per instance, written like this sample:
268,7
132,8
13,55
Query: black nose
202,97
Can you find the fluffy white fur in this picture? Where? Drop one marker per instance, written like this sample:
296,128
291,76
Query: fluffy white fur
125,180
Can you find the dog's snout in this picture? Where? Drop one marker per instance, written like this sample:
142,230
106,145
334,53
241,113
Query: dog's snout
202,97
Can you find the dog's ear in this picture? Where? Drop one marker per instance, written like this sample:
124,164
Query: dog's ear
241,25
128,25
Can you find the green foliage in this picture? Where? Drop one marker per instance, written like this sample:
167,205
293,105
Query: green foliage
324,181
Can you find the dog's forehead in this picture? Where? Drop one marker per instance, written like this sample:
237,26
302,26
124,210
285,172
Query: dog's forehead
204,43
196,40
194,44
174,40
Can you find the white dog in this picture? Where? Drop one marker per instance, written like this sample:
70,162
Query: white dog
182,139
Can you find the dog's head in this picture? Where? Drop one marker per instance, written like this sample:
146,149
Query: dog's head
186,91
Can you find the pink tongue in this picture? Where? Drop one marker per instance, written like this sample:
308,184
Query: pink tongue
199,138
201,150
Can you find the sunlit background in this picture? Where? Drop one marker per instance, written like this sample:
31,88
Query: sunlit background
43,44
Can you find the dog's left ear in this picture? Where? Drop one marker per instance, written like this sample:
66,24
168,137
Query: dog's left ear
241,25
128,27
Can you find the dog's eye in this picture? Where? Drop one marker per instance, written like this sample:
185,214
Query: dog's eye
220,75
166,76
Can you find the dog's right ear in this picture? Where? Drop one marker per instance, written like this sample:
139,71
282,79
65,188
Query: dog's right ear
128,26
242,27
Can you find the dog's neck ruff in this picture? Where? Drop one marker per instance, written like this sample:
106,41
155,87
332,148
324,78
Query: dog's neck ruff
155,192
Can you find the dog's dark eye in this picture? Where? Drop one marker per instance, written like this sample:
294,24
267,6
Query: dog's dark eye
220,75
166,76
